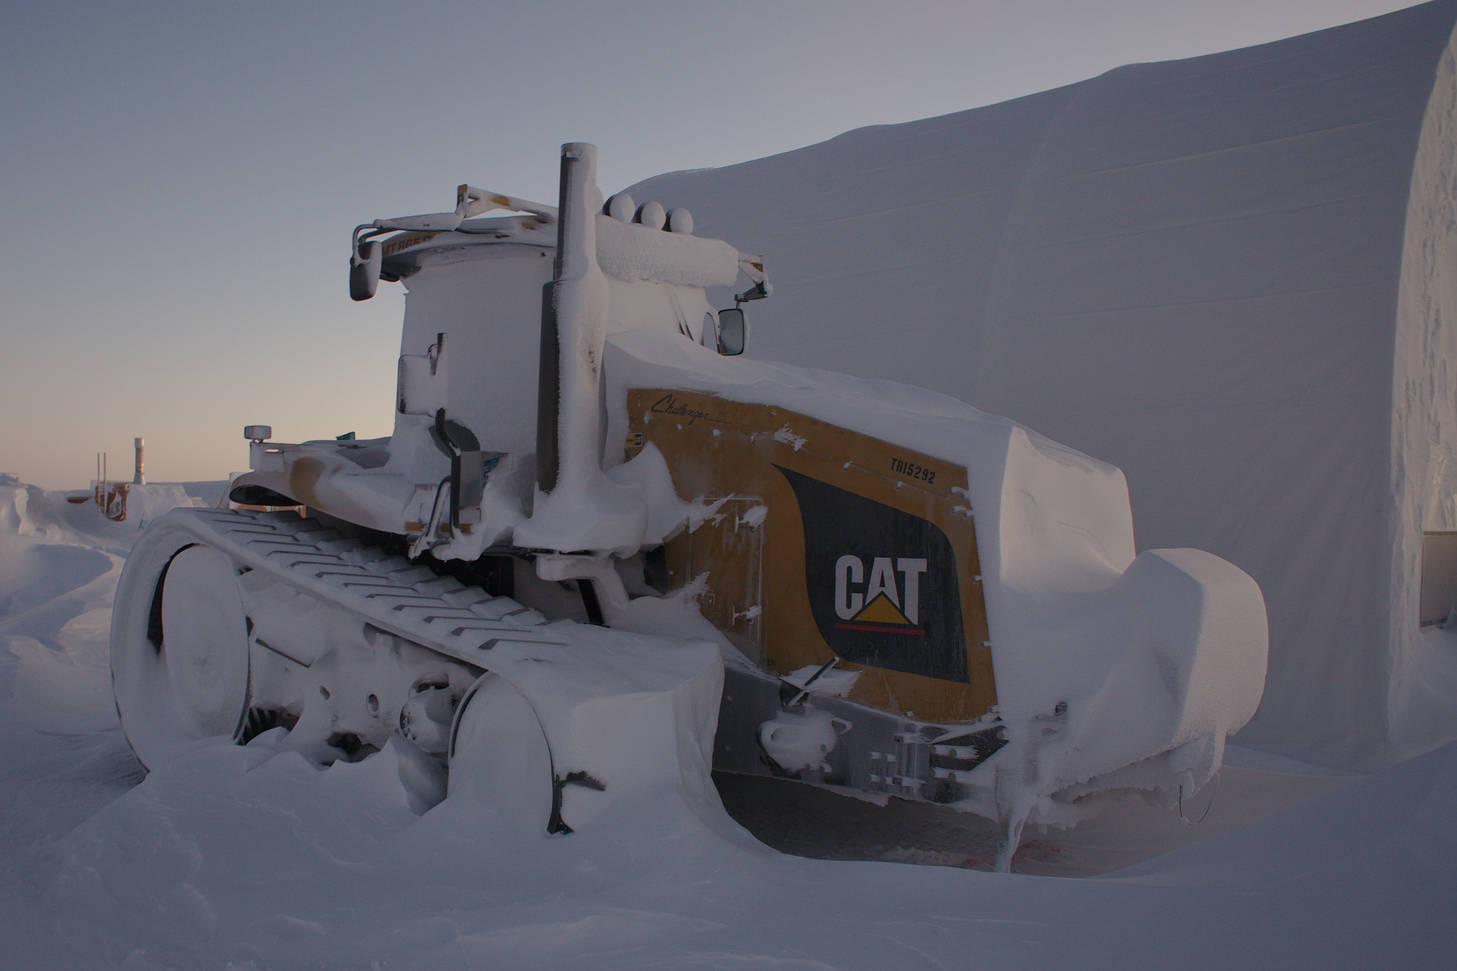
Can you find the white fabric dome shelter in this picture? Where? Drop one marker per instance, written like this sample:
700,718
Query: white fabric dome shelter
1233,276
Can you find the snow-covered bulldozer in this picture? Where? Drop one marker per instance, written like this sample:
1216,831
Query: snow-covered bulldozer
602,551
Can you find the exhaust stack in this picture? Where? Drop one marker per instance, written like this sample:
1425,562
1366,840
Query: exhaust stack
576,508
571,330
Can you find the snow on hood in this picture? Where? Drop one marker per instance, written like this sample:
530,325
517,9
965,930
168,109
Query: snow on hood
1146,658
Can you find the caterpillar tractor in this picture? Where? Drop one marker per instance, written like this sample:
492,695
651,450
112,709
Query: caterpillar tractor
603,551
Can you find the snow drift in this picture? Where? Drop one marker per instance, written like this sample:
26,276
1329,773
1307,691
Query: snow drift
252,857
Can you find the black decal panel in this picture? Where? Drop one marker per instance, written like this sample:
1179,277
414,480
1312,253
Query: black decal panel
882,583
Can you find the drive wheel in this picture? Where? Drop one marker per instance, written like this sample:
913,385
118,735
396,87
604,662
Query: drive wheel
499,758
179,646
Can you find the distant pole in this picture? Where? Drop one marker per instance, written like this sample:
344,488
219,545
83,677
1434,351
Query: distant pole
140,477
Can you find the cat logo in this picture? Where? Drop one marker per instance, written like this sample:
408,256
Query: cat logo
888,603
881,582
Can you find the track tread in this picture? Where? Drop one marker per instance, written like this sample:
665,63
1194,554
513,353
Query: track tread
440,586
438,612
412,575
466,597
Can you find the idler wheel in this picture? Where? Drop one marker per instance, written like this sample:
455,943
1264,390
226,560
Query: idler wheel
179,646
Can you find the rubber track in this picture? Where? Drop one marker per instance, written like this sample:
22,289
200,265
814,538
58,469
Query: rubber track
409,600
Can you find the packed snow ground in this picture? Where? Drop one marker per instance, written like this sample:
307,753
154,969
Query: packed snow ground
250,858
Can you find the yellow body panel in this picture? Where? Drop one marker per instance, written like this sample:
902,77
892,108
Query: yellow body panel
892,587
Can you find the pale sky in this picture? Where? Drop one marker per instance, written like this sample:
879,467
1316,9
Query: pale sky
179,180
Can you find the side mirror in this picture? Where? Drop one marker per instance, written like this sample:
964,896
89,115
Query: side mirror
364,271
733,332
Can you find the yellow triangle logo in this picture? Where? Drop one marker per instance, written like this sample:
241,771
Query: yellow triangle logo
882,611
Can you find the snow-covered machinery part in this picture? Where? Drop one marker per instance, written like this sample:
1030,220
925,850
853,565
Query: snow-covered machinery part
242,625
599,546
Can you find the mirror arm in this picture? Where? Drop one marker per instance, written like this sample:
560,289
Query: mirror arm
361,236
753,268
758,291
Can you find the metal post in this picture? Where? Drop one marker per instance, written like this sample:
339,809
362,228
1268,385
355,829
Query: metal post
140,477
